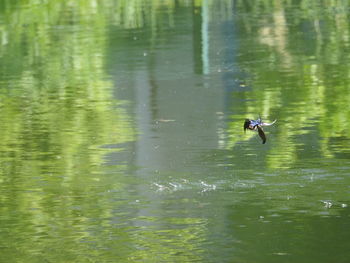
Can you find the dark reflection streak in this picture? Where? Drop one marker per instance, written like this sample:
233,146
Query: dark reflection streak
152,68
197,38
154,88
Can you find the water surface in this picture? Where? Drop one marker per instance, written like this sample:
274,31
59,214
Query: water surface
122,131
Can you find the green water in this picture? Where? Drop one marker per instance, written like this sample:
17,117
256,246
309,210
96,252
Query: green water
122,131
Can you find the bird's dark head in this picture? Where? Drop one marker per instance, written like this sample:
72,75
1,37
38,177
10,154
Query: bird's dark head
246,124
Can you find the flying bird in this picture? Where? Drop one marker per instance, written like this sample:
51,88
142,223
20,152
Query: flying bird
257,125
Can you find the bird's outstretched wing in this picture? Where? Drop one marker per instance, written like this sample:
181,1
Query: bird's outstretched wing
261,134
268,124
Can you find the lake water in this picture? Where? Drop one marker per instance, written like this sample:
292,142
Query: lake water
122,131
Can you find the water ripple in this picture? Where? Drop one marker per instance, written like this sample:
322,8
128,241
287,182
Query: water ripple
199,186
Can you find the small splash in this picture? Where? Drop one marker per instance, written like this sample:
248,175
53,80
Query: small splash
170,187
281,254
200,186
160,187
327,204
208,187
184,184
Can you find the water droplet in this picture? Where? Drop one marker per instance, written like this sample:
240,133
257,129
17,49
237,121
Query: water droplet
327,204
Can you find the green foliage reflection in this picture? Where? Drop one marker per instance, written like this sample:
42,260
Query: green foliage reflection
60,119
301,75
58,115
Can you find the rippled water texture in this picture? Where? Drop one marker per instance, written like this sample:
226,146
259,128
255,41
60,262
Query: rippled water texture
122,131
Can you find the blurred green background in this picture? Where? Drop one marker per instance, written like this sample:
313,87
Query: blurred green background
122,131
